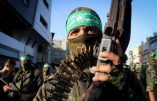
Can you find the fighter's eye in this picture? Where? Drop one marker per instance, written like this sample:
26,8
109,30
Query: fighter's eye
74,32
91,30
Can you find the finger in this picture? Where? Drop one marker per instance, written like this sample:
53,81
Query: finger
111,56
101,78
104,68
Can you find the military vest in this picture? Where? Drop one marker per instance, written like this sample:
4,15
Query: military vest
26,81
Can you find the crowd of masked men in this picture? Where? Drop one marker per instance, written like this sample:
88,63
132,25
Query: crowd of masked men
22,84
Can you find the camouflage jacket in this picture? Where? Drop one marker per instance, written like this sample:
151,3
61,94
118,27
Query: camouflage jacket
151,78
25,83
124,80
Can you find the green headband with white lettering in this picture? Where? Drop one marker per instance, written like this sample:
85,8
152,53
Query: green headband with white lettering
25,57
82,18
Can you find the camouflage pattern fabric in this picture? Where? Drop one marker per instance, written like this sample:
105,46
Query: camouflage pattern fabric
70,71
77,92
131,88
151,58
79,89
122,86
151,78
26,82
151,72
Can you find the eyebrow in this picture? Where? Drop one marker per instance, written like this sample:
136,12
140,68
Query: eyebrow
82,26
74,29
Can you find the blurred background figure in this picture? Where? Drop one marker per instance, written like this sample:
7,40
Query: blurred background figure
151,77
140,72
6,76
137,70
26,81
46,71
8,71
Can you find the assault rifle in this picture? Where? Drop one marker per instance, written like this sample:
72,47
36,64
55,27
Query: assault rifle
110,33
12,85
118,26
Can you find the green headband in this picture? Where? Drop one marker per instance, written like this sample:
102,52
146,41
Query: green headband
46,66
22,58
83,18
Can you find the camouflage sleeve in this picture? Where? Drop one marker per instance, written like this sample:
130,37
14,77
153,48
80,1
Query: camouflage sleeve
150,79
49,91
41,94
45,92
58,90
77,93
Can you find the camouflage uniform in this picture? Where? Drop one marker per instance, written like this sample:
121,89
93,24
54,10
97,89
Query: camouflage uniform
130,87
151,78
79,89
26,82
123,79
44,92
